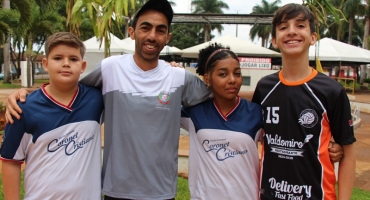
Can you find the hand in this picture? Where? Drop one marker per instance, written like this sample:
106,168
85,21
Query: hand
335,152
12,108
175,64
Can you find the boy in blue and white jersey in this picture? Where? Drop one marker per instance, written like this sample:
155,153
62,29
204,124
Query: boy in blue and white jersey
58,135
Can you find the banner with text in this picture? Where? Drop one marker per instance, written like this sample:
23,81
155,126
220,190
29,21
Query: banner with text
255,63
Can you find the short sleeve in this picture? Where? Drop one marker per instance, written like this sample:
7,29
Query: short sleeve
195,91
15,140
94,78
340,119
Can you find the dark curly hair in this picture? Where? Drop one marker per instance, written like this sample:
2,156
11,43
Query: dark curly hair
204,55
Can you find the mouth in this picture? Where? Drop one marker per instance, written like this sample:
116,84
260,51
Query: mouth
292,41
232,90
65,73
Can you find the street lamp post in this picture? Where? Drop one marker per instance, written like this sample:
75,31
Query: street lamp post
236,31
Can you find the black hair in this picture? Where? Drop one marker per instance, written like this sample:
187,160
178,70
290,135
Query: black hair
205,57
162,6
290,11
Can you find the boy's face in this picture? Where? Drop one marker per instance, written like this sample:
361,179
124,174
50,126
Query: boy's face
64,64
150,35
293,37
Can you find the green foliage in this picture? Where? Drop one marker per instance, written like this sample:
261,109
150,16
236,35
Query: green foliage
367,80
186,35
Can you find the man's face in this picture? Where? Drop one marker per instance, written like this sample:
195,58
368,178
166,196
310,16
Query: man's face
150,35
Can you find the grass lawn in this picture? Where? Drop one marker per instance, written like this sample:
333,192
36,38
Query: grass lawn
183,191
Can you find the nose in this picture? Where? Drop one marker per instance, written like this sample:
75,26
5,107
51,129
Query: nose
232,79
152,35
66,62
292,30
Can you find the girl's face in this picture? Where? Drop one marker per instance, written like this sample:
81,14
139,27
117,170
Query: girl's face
225,79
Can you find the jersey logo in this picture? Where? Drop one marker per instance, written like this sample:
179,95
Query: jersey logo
308,118
164,97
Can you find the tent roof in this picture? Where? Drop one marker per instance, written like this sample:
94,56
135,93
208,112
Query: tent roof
333,50
116,45
239,46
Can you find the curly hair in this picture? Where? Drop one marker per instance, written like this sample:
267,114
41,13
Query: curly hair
208,56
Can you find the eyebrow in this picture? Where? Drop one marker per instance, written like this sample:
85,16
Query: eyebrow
149,24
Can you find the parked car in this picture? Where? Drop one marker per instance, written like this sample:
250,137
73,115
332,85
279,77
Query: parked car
37,71
1,76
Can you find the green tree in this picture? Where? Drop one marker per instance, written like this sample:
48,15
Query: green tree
209,6
186,35
104,15
351,8
263,31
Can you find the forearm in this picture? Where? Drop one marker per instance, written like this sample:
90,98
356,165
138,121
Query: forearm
346,173
11,175
246,95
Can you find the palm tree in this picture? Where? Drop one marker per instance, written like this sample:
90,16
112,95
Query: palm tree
23,7
104,14
351,9
209,6
365,10
263,31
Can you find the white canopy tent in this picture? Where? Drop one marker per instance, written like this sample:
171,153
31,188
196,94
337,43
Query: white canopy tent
333,50
239,46
95,54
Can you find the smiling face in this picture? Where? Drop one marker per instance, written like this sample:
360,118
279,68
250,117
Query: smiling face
150,35
64,65
225,79
293,37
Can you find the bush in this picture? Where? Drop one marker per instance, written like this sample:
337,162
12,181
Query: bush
367,80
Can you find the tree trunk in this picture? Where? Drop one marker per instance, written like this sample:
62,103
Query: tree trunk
28,58
350,30
6,50
207,33
365,46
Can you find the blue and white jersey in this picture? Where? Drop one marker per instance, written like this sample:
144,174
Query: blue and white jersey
223,156
60,144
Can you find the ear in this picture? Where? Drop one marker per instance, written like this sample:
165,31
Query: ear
131,32
313,38
206,79
83,67
168,38
273,41
45,64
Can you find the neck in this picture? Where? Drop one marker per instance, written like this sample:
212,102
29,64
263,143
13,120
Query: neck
295,68
64,94
225,105
145,65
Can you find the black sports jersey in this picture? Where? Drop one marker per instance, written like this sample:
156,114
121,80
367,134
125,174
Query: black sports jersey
299,120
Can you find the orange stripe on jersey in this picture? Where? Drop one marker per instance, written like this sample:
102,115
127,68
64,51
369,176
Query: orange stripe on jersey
261,160
328,175
285,82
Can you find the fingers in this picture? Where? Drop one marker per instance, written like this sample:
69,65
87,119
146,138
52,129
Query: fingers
12,108
175,64
335,152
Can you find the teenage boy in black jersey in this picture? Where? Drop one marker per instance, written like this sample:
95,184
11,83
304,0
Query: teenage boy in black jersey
303,110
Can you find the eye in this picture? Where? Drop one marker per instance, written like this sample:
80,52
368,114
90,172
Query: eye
238,74
222,74
282,28
57,58
74,59
301,26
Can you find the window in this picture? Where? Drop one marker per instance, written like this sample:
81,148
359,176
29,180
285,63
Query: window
246,80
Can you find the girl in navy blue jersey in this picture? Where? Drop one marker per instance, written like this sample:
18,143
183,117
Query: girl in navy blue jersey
223,156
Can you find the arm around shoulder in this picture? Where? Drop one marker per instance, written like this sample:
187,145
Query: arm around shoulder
12,108
11,175
346,175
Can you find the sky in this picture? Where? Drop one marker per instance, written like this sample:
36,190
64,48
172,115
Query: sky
235,6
